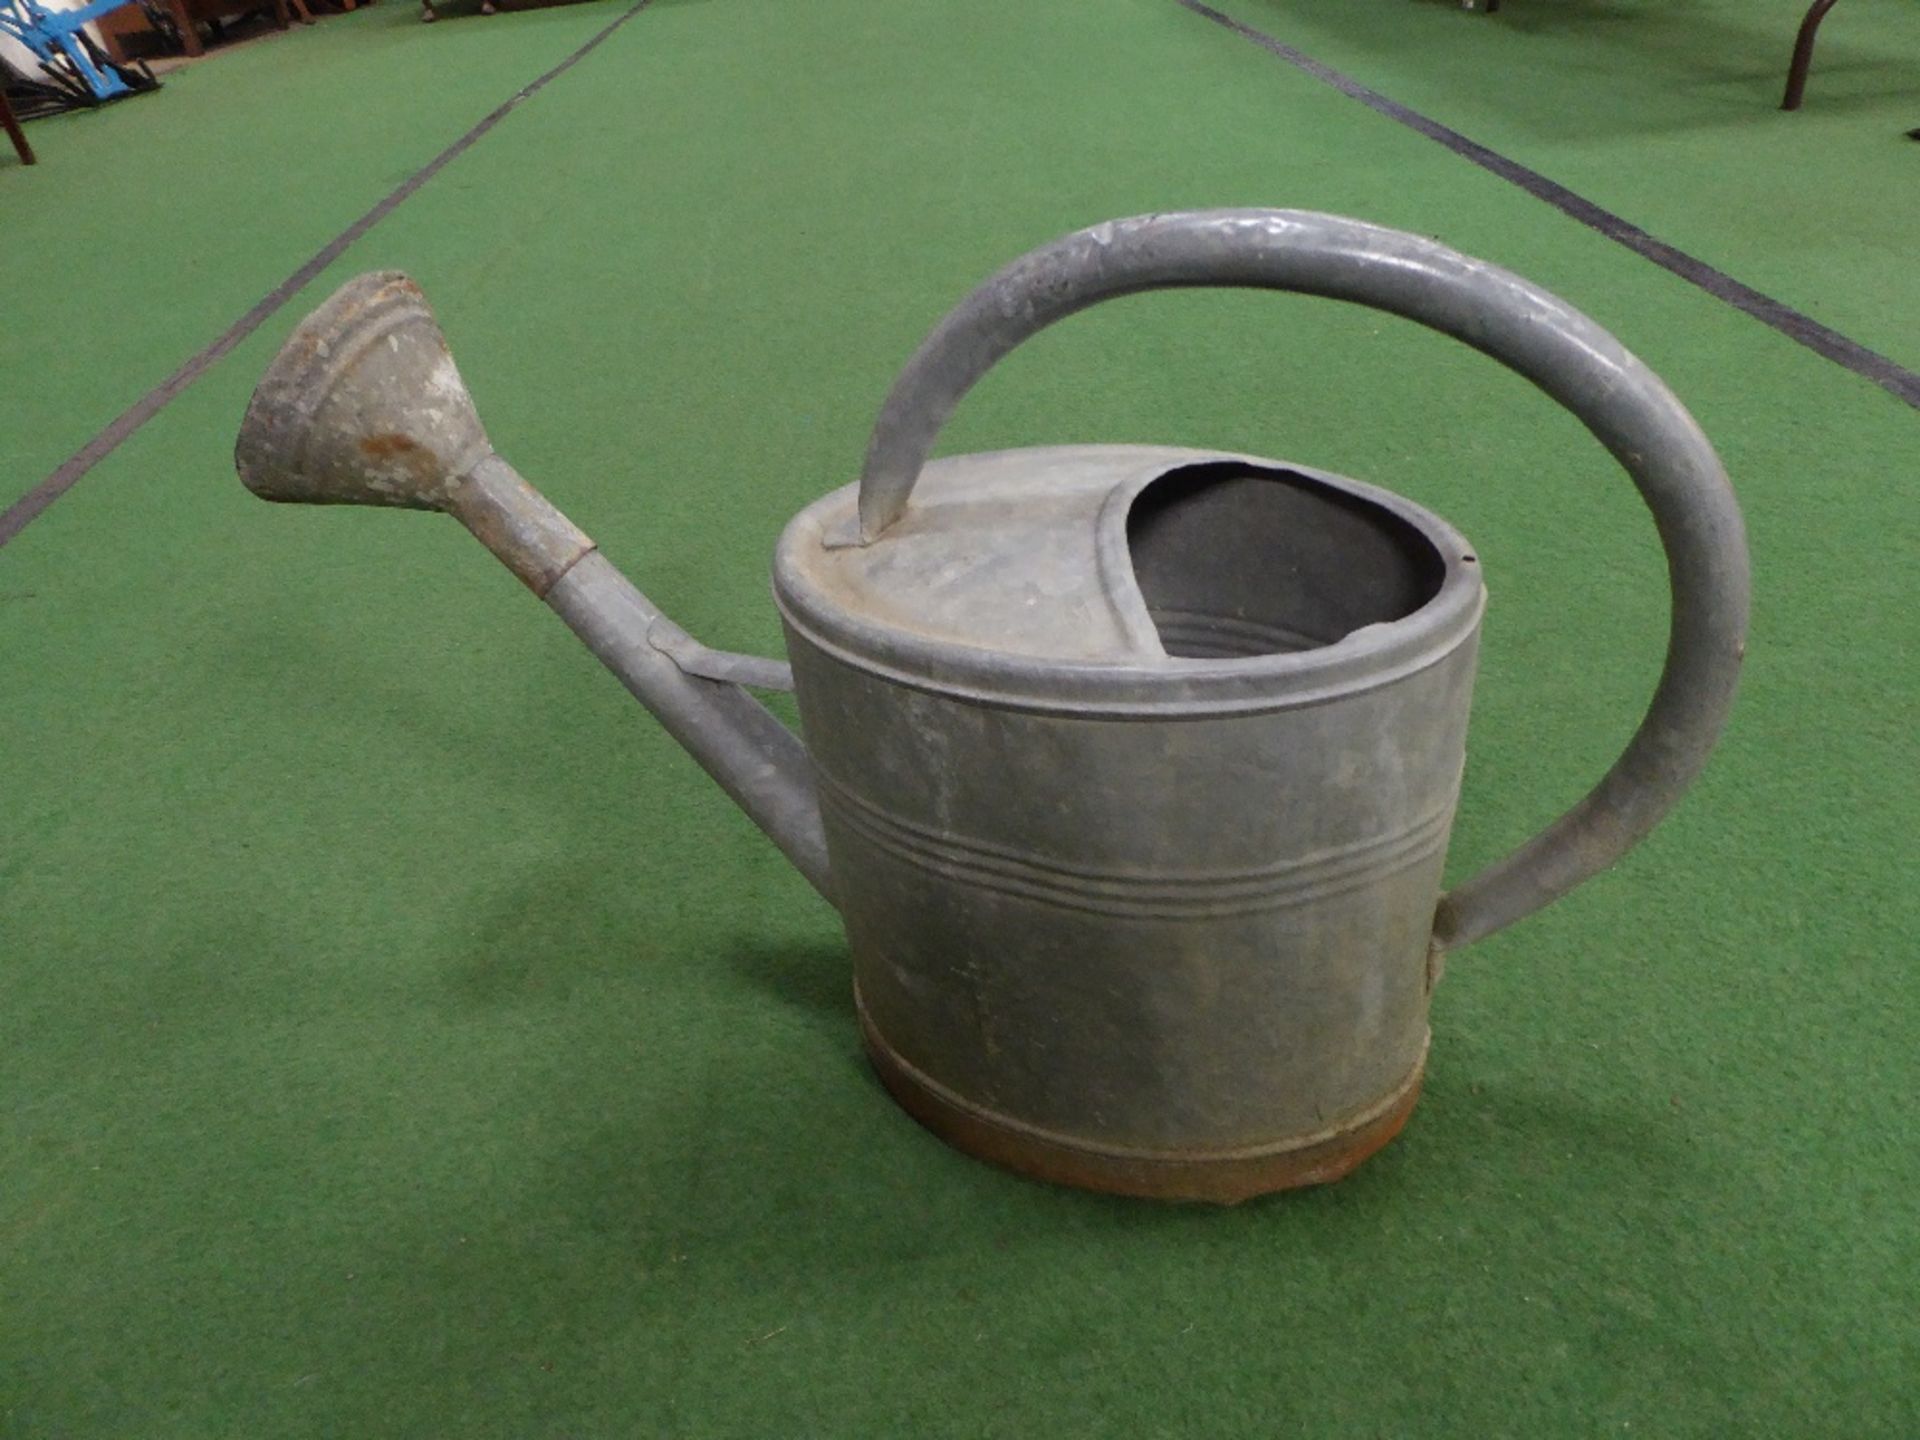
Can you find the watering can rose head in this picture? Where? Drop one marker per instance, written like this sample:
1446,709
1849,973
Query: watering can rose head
1129,769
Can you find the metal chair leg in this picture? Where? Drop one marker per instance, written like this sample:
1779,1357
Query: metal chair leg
14,132
1803,53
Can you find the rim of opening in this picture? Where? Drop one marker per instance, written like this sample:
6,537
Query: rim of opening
1421,564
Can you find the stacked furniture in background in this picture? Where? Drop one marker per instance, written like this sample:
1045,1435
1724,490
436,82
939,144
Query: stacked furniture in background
187,16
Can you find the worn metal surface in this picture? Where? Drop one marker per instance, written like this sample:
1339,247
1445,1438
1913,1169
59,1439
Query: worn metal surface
1131,769
1015,579
1113,899
1222,1177
362,406
518,524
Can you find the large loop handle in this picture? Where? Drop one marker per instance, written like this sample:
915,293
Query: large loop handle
1531,332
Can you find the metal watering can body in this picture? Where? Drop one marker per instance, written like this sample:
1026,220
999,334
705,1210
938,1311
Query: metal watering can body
1129,769
1137,768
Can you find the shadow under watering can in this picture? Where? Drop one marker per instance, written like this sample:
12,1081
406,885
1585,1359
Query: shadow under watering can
1129,769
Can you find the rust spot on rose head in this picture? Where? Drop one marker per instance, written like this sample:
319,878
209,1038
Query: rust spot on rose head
388,447
403,453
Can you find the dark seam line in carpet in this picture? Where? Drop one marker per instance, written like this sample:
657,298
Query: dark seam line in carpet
1830,343
29,506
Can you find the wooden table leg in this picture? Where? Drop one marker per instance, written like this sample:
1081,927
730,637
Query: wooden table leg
14,132
189,34
1803,53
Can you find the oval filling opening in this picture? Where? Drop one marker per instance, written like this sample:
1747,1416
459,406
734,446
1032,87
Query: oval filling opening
1235,561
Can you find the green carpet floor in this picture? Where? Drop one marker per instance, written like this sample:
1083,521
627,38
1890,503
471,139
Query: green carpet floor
399,1037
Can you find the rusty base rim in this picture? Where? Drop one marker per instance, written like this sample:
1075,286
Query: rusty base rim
1222,1179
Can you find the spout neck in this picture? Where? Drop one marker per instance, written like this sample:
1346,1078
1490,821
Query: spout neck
522,528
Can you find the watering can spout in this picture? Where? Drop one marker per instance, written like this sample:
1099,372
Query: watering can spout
363,406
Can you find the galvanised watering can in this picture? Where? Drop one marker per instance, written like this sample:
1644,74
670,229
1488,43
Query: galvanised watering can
1129,769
